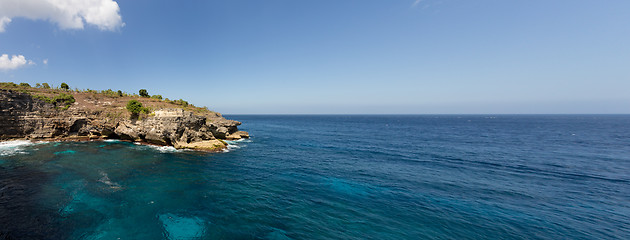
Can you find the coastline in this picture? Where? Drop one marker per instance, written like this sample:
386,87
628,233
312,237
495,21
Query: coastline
27,114
84,139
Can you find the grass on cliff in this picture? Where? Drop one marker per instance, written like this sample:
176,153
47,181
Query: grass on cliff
108,103
61,101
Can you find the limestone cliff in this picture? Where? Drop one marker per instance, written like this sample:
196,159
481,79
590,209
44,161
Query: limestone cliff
92,116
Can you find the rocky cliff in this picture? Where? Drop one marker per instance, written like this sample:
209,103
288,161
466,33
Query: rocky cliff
93,116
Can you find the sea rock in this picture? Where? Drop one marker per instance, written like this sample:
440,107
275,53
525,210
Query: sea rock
237,135
208,145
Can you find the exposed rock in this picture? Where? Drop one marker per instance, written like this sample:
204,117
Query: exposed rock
22,117
237,135
209,145
222,127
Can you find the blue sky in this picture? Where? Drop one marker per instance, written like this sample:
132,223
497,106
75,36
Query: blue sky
367,56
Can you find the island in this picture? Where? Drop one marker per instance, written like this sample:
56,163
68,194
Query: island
48,113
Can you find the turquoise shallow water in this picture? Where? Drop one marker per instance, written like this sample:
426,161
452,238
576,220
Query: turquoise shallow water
334,177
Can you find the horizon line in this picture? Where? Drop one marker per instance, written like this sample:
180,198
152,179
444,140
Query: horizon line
425,114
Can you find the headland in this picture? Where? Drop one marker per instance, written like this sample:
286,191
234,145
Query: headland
43,113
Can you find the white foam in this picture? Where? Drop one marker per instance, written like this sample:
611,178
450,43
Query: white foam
230,147
111,140
161,149
236,144
247,140
14,147
164,149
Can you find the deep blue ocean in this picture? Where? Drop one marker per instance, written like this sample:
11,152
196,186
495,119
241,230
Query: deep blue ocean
334,177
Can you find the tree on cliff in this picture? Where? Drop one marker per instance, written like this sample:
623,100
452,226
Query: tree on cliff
45,86
65,86
134,107
144,93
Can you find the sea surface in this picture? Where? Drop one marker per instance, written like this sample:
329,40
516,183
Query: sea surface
334,177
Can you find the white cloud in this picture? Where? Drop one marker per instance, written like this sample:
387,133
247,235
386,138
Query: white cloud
14,62
3,22
45,61
416,3
68,14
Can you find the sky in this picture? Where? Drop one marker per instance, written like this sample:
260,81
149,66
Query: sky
331,56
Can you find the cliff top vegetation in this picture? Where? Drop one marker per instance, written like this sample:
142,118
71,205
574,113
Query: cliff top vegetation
111,103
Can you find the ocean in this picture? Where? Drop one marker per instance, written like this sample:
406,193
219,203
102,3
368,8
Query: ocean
334,177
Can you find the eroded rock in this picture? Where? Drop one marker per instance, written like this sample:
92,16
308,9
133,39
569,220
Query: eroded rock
22,117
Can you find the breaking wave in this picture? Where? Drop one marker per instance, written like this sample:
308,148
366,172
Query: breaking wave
14,147
165,149
161,149
236,144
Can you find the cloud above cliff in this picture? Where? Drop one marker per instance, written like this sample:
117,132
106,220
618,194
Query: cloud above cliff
67,14
13,62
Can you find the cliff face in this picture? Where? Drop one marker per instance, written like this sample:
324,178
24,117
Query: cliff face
25,117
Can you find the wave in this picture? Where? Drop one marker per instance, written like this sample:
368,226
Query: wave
165,149
161,149
231,147
236,144
247,140
14,147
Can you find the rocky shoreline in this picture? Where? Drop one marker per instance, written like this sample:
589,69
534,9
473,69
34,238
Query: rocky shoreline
24,117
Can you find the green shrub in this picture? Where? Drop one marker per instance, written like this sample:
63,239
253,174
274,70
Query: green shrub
65,99
45,86
135,107
65,86
37,85
180,102
120,93
157,97
8,84
143,93
25,84
110,93
44,98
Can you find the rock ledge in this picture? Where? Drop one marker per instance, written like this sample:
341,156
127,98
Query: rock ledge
25,117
